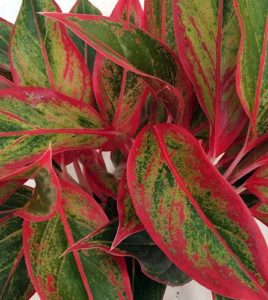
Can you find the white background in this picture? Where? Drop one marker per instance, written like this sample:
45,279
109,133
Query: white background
192,291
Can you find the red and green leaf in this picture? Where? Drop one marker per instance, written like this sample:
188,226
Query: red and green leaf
57,276
129,46
14,279
208,38
201,225
43,55
33,118
252,70
129,223
260,212
102,183
154,263
84,7
120,93
5,33
257,184
5,83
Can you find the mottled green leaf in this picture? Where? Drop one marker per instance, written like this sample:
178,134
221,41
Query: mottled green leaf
32,118
194,216
5,33
84,7
252,71
129,47
84,275
208,38
14,280
42,54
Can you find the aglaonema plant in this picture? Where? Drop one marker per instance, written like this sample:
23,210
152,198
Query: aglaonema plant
177,93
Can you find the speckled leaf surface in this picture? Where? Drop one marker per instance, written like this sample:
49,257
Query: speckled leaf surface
33,118
84,7
129,223
120,93
57,276
193,220
5,33
159,21
14,279
129,46
257,183
152,260
208,39
43,55
252,70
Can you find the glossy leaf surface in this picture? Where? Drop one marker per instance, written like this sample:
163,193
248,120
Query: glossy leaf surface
43,55
64,277
208,39
194,220
31,119
252,71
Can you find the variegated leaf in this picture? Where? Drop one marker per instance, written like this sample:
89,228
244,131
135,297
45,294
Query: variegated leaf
200,224
5,83
42,55
129,46
252,71
73,276
119,93
152,260
5,32
257,183
14,279
32,118
84,7
208,39
260,212
129,223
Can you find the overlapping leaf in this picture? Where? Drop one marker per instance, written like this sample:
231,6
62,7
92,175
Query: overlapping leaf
5,83
252,71
129,46
32,118
43,55
120,93
88,274
152,260
192,219
84,7
260,211
257,184
14,279
129,223
208,39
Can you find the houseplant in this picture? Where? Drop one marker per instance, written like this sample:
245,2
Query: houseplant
177,94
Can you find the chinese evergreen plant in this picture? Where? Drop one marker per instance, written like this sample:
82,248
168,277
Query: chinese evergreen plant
177,93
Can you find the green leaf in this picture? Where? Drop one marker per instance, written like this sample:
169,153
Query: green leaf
5,83
142,286
129,46
14,280
252,71
194,216
5,33
42,55
91,274
153,261
32,118
84,7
